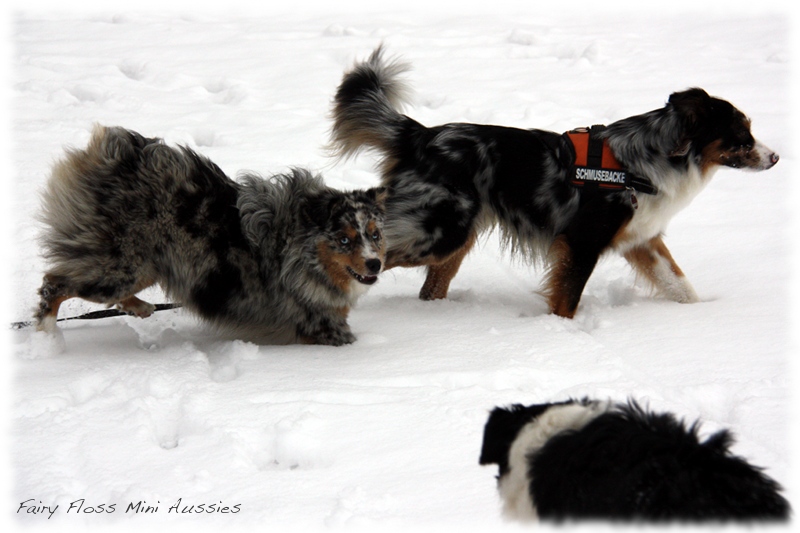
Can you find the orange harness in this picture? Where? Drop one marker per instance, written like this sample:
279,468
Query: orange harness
596,167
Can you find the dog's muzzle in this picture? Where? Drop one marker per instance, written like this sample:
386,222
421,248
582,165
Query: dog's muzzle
373,267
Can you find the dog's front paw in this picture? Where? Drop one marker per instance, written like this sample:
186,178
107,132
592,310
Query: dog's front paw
681,291
327,336
136,307
329,328
338,338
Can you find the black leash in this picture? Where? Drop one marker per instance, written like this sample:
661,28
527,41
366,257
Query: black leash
105,313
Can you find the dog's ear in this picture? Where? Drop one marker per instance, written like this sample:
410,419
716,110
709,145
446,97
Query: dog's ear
682,149
497,438
317,209
379,195
692,105
500,432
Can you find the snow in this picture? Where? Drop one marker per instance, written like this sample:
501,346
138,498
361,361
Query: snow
384,434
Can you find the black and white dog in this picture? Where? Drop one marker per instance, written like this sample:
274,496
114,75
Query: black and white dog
579,460
563,199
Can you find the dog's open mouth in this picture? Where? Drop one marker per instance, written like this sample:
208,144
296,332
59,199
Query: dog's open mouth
366,280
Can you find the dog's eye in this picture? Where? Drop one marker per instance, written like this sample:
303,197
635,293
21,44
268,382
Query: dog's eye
376,236
344,241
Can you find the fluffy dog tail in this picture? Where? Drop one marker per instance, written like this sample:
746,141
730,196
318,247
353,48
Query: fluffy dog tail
365,112
76,220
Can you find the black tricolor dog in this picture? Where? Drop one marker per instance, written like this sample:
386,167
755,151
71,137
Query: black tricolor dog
580,460
449,183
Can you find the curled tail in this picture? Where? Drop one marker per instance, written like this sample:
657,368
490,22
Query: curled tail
365,107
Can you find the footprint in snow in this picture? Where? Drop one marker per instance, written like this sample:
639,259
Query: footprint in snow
161,418
224,359
155,333
294,442
205,137
297,443
337,30
216,85
225,92
87,93
356,507
42,345
133,69
87,387
525,38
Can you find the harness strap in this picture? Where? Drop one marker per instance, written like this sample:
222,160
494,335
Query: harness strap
594,152
595,168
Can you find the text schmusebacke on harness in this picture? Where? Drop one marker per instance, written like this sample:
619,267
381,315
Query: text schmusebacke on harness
595,166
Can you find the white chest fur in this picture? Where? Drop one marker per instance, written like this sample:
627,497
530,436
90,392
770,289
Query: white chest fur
676,190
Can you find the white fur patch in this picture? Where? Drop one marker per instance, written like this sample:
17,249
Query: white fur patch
356,291
764,155
655,211
676,288
514,486
48,324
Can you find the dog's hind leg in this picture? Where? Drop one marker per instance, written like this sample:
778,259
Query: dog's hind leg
437,282
653,261
56,289
53,293
565,281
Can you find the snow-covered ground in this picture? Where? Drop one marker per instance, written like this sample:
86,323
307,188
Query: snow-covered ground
384,433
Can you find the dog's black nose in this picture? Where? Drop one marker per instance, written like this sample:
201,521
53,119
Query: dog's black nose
373,265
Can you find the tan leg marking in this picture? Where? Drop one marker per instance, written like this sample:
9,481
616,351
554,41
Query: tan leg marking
653,261
437,283
559,259
134,306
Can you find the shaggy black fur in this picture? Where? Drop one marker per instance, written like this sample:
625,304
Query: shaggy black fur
625,462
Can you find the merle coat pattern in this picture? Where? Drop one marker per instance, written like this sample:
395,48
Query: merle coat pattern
276,260
450,183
